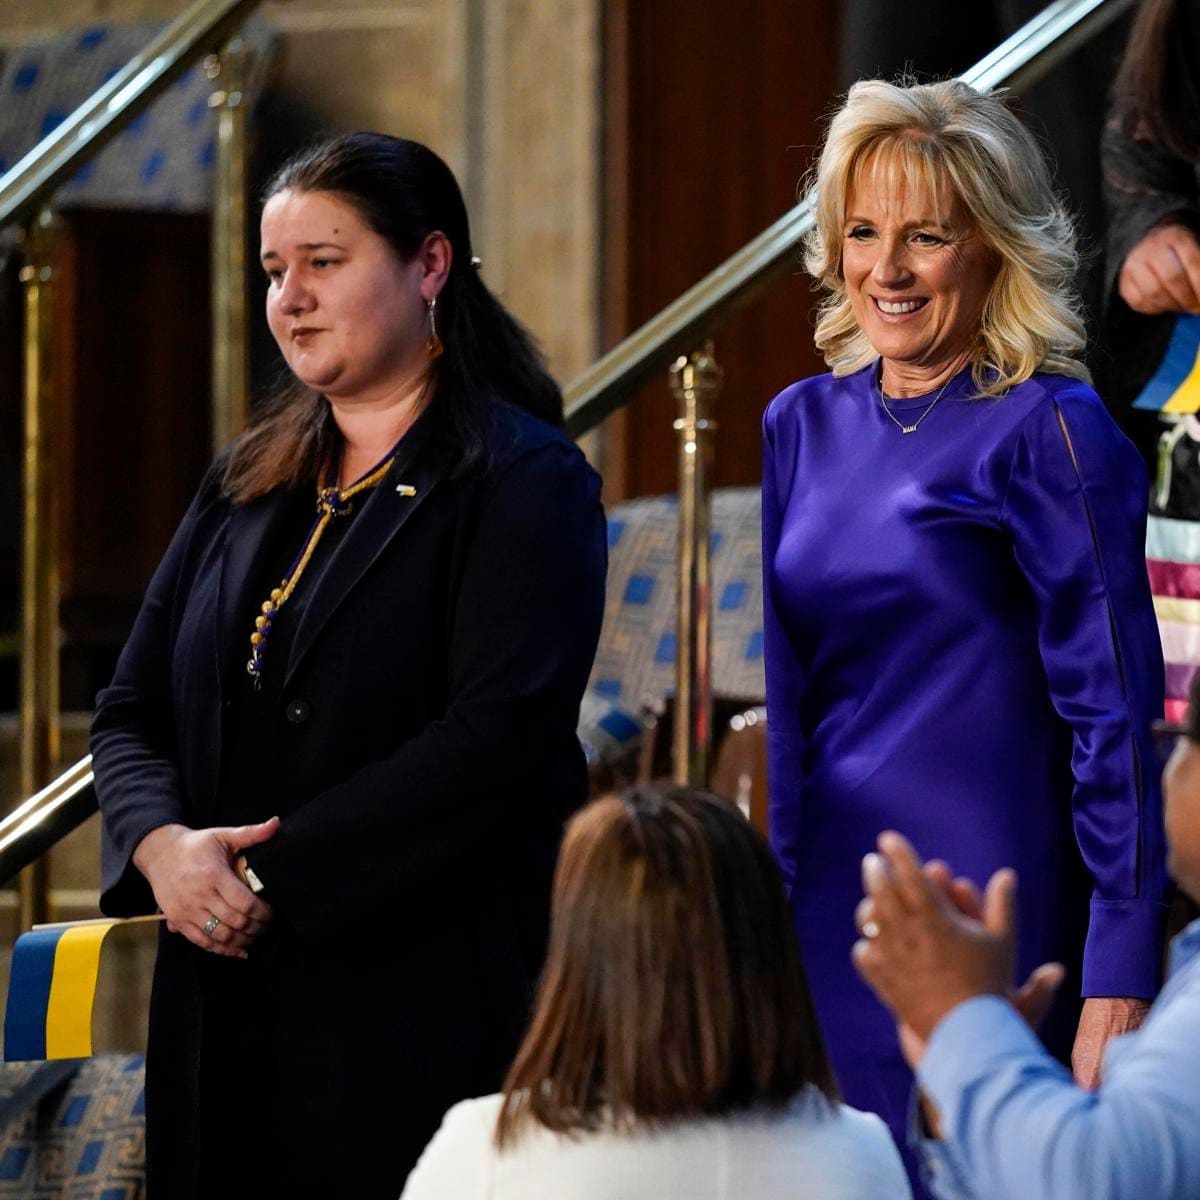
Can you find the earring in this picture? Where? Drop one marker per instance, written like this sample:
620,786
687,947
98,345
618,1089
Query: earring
433,343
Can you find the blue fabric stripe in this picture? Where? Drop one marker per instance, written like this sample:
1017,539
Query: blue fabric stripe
1175,367
29,995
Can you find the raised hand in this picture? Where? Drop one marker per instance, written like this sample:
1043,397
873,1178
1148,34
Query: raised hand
924,954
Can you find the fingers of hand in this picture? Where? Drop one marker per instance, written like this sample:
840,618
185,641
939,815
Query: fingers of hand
241,901
1187,255
880,888
1000,903
912,888
864,918
224,935
967,898
938,873
240,837
1034,997
1162,272
213,944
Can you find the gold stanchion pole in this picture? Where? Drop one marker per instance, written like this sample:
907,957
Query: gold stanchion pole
696,381
39,564
230,355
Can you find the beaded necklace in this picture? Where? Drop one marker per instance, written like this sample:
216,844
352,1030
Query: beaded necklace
331,502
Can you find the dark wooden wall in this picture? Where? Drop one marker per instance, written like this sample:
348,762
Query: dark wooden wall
131,347
712,116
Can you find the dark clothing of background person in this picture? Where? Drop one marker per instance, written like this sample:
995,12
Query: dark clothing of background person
941,38
1145,184
415,732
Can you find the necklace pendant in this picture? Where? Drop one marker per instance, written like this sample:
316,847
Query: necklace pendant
908,429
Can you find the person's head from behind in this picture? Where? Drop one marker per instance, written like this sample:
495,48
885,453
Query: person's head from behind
1181,797
939,238
374,294
673,985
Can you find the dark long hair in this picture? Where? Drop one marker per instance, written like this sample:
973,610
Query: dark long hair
1158,82
404,192
673,985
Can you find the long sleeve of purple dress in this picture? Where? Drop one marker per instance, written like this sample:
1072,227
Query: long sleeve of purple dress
961,645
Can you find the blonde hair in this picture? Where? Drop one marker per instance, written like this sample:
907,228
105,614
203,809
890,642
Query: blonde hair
948,135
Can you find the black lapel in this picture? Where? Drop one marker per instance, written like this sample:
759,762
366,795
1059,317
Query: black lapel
250,526
384,513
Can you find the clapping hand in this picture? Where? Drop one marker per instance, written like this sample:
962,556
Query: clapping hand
935,942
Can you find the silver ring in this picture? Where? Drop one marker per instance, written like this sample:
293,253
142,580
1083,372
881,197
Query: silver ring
210,926
870,929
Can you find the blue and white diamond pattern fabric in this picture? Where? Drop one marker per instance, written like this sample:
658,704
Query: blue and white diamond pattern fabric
163,160
635,662
85,1140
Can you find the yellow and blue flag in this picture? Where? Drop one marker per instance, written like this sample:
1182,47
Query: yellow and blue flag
1175,386
52,990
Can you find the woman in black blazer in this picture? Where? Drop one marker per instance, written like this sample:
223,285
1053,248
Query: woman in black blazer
339,746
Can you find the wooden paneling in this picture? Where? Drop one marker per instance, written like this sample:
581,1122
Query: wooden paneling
712,117
132,334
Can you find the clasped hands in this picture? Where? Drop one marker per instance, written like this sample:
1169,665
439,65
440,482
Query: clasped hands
194,876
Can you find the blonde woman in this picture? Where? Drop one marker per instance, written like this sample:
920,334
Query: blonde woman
960,638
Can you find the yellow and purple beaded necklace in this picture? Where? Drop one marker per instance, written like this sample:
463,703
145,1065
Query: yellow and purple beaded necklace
331,502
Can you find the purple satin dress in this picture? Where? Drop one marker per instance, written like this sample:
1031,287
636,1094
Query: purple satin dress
961,645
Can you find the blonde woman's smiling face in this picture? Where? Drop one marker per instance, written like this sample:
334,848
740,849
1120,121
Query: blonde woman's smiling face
917,275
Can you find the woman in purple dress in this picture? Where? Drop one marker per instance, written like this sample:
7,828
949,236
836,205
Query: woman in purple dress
960,638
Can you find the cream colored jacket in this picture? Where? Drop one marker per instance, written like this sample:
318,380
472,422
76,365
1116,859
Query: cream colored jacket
805,1152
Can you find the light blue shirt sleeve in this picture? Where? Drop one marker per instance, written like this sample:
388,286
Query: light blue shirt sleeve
1015,1126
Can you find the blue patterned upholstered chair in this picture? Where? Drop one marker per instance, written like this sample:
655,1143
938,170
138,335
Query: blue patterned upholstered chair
634,672
163,160
80,1135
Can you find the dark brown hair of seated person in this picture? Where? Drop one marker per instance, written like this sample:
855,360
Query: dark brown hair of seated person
673,985
1158,84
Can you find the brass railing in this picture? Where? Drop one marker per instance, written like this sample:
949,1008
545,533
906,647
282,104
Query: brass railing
26,198
676,335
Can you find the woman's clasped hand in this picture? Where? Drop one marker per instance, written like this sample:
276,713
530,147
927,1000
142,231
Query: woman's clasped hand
193,875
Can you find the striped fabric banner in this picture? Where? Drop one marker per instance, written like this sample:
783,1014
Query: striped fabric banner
1175,386
52,990
1173,564
1173,540
1180,580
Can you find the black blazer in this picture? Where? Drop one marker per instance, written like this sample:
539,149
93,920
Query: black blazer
431,700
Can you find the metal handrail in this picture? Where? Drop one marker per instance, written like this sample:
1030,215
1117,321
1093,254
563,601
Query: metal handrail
46,817
1035,49
1020,61
199,30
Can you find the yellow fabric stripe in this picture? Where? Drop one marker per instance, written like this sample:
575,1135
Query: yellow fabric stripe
73,991
1186,397
1177,608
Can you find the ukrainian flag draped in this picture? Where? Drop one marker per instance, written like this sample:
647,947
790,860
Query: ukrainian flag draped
52,990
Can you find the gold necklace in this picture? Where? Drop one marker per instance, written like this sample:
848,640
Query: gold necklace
331,502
